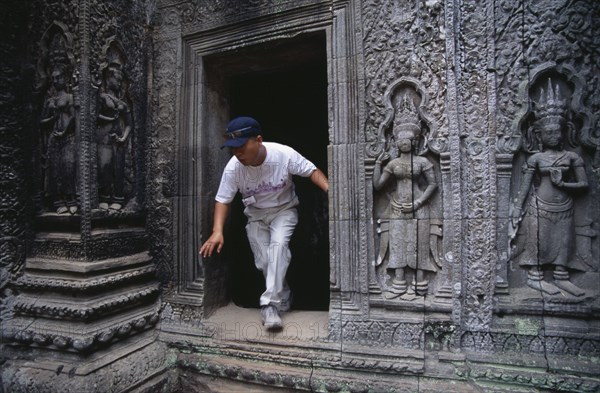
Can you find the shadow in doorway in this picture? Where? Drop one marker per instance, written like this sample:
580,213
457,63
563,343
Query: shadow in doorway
289,99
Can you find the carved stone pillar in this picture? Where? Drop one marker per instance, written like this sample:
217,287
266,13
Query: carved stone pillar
86,299
503,170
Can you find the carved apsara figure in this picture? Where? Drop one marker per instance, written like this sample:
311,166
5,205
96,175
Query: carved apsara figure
114,127
407,241
542,211
58,120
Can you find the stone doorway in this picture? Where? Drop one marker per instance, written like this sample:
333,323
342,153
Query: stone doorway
283,84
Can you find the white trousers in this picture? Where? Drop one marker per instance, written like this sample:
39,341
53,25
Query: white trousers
269,232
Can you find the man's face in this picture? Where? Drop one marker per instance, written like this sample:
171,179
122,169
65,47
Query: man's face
248,154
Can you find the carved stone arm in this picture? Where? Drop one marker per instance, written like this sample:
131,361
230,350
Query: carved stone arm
379,179
523,191
127,130
432,185
581,178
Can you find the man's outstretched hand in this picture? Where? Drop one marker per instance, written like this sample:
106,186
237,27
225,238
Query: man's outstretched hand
214,242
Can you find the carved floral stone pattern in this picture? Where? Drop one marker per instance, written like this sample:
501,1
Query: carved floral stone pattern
478,137
557,32
403,39
187,16
161,157
494,103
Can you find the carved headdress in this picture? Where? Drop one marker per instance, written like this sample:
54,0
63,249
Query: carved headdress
57,51
550,107
57,57
115,57
407,124
113,64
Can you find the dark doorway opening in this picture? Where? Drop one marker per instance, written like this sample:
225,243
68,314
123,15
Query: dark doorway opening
283,85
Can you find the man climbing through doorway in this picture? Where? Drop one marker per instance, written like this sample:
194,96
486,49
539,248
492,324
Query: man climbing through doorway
262,172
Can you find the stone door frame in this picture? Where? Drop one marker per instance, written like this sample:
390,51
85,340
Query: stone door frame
200,160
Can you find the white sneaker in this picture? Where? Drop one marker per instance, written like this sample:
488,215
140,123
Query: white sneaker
270,316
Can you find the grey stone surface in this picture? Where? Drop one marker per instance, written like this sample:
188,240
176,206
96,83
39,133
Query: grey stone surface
80,294
493,211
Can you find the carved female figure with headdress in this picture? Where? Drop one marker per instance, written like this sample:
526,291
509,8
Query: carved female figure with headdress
542,211
114,127
61,151
414,178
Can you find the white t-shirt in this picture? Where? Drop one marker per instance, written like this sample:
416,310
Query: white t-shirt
267,185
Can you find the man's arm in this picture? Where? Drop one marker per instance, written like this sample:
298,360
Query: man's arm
216,240
320,180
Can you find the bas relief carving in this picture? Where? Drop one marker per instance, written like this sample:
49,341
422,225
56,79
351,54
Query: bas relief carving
550,225
114,125
58,126
58,154
58,123
409,219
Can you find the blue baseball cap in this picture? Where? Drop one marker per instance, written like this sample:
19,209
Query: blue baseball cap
239,130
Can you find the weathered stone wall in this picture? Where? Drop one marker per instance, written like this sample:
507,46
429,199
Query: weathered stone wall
82,295
463,214
13,155
463,81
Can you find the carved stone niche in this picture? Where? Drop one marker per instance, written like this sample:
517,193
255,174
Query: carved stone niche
70,201
115,147
408,212
553,213
57,138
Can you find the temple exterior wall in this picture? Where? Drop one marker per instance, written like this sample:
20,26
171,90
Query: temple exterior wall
468,261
